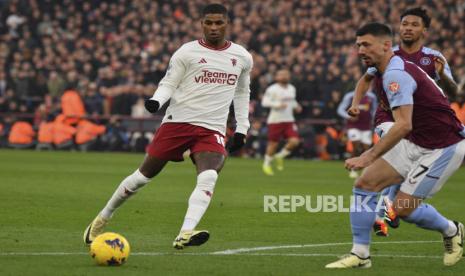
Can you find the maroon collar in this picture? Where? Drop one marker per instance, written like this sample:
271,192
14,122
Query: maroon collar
224,47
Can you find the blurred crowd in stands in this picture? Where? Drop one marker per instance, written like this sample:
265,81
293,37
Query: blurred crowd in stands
112,54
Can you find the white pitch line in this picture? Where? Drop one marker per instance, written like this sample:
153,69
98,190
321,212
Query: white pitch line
265,248
242,251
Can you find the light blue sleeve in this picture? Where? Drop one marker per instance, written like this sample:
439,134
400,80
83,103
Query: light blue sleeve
399,87
345,103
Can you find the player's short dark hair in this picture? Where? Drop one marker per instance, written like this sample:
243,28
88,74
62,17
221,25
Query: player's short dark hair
214,8
374,28
420,12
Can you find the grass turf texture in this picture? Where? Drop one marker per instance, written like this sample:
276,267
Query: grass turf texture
48,198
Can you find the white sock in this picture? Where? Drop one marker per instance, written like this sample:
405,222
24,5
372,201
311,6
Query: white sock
283,153
200,199
451,231
268,160
361,250
128,187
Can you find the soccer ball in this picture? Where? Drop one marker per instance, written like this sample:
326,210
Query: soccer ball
110,249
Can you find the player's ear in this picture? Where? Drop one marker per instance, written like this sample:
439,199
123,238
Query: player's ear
387,44
424,32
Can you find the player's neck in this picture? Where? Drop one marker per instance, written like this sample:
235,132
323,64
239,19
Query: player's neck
283,84
384,63
215,44
412,48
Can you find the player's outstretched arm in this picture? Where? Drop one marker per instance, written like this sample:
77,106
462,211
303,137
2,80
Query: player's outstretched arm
241,108
169,83
399,87
362,87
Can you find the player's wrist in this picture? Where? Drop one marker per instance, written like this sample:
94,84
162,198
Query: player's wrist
152,105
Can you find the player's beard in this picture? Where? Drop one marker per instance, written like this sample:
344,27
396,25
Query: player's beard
408,42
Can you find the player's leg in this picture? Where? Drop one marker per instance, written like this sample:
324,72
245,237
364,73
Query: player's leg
170,141
374,178
271,148
390,215
208,166
293,141
380,227
149,168
355,137
432,171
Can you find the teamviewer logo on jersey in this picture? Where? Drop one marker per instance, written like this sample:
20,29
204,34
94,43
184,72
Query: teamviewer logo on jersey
216,77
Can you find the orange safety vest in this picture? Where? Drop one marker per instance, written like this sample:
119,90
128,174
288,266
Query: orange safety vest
62,132
21,133
46,132
72,106
87,131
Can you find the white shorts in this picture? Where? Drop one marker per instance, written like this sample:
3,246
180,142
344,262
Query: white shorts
424,170
364,136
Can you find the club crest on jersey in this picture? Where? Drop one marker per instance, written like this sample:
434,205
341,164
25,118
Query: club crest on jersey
394,87
234,61
425,61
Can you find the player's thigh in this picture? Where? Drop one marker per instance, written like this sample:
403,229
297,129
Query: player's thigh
208,151
275,132
432,170
291,132
366,137
400,157
354,135
378,176
207,160
151,166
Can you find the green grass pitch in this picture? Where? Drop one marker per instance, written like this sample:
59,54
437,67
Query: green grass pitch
48,198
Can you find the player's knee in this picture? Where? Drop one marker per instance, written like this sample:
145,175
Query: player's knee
206,180
294,142
365,184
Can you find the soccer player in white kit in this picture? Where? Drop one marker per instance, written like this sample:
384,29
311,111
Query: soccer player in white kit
203,78
280,98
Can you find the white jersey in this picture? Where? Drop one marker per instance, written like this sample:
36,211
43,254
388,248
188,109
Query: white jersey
276,96
202,82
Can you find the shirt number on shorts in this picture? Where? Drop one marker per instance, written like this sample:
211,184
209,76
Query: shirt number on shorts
219,139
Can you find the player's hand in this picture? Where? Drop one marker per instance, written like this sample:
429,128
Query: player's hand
282,106
152,106
298,109
353,111
353,119
238,141
357,163
439,64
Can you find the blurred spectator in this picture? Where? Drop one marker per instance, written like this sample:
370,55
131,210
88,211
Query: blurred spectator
72,106
87,135
21,135
112,53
